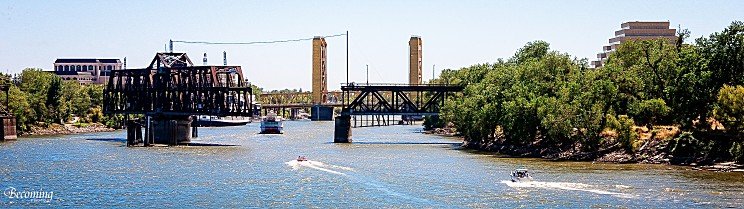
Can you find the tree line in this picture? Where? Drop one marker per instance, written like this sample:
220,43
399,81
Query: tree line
545,98
40,98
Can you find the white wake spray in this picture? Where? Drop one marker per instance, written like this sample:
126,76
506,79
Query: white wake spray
566,186
319,166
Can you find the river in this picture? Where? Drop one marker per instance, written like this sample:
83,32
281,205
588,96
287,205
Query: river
394,166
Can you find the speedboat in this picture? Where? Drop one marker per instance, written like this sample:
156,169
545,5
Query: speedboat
271,124
301,158
520,175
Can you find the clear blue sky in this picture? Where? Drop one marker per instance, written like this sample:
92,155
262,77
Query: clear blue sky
455,33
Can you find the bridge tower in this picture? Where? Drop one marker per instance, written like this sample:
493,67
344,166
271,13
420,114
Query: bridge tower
320,76
320,81
415,67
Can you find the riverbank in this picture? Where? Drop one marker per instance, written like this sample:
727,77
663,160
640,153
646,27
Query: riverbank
60,129
652,147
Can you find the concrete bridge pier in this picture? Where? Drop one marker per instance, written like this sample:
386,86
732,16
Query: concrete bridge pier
342,133
134,132
172,130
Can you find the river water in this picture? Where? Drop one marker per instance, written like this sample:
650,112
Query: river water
394,166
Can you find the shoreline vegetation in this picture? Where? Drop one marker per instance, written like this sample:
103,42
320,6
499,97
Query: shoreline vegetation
654,152
654,101
44,104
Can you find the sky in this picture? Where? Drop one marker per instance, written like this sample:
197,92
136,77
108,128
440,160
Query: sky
455,34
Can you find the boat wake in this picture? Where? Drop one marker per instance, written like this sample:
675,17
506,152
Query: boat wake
334,169
369,182
566,186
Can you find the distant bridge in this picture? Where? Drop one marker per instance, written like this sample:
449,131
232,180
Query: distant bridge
288,104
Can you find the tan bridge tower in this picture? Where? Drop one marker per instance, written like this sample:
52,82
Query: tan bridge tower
320,76
320,82
414,74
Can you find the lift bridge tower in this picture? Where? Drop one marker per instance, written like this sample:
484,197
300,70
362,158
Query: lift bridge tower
165,97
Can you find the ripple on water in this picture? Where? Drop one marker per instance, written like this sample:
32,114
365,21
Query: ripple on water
385,167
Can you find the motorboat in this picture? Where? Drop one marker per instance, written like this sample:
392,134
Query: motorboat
271,124
520,175
301,158
214,121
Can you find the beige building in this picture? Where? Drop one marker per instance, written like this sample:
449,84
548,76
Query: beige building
636,31
87,70
320,76
415,67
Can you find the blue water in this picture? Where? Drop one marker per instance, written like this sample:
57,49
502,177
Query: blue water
393,166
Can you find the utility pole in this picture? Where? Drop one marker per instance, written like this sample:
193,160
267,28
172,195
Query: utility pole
346,96
367,75
347,57
433,76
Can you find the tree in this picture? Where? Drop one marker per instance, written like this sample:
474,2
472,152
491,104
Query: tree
54,99
730,108
35,83
648,111
724,53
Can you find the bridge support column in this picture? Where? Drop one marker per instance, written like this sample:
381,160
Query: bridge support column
342,133
321,113
172,130
8,127
134,133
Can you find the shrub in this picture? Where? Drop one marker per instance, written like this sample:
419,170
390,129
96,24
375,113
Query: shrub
647,111
737,152
685,148
626,134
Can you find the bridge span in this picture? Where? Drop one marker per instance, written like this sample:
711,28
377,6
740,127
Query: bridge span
380,101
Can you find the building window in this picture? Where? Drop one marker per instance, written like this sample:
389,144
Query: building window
79,68
108,67
67,67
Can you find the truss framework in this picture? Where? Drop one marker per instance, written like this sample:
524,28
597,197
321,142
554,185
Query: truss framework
394,99
178,90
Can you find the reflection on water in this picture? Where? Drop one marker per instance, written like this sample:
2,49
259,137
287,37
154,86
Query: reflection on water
385,166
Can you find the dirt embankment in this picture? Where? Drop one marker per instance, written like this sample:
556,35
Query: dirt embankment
59,129
652,147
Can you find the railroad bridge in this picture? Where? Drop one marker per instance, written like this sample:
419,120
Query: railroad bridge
169,92
380,101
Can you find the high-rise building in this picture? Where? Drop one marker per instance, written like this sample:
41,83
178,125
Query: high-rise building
415,67
86,70
320,77
636,31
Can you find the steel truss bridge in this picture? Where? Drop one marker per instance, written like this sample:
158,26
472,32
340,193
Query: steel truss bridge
396,99
375,104
170,91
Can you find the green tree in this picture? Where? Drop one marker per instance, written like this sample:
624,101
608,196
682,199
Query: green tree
647,111
730,108
35,83
54,99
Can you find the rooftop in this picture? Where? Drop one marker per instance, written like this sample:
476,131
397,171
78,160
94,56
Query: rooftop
86,60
